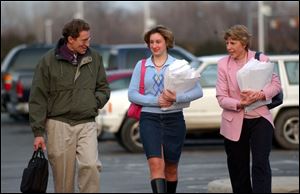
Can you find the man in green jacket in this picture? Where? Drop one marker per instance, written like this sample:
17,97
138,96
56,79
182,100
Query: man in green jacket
68,88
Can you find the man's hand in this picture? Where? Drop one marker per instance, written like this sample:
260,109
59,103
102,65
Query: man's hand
39,142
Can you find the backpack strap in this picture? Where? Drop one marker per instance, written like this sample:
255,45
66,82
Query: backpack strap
142,80
257,54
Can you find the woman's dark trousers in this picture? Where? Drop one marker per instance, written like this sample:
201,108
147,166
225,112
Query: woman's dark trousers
256,136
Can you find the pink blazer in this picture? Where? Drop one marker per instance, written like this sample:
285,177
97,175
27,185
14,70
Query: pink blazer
228,96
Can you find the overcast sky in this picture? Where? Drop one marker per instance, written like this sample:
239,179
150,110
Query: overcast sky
23,9
130,5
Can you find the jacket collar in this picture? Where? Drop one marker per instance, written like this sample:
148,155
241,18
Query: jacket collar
62,52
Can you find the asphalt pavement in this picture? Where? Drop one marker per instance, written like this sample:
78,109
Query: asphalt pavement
203,161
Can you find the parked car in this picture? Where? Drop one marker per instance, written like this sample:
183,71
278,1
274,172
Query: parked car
17,71
125,56
18,68
118,80
204,114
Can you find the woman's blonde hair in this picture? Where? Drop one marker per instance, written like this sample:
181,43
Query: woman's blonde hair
240,33
162,30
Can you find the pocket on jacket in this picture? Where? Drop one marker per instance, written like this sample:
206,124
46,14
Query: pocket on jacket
227,116
85,102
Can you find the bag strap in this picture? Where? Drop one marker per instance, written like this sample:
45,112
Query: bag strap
142,80
257,54
38,154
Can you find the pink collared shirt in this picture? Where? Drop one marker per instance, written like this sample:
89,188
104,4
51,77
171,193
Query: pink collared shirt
228,96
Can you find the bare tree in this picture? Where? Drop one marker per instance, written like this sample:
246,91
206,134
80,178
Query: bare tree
198,26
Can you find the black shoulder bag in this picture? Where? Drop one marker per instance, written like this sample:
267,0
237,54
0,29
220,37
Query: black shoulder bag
276,100
35,176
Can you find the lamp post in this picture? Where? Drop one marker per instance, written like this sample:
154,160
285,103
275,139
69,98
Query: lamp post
48,31
79,10
262,11
148,21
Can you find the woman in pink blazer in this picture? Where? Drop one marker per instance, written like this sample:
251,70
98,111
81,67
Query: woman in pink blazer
245,131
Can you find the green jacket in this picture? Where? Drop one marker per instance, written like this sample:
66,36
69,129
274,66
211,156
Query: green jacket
65,92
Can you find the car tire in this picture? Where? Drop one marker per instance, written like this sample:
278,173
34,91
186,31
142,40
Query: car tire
100,131
287,129
19,117
130,136
100,135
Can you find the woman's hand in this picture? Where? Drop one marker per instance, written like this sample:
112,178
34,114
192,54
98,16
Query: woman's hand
166,98
163,103
169,95
250,96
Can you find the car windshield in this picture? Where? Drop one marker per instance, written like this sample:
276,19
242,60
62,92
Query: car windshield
104,52
292,69
27,59
118,80
119,84
126,57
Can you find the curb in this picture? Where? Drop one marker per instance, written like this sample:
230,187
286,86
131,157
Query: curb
280,184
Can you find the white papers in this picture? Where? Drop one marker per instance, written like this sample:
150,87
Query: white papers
255,75
180,77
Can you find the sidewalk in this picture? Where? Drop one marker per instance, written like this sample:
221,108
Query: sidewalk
280,184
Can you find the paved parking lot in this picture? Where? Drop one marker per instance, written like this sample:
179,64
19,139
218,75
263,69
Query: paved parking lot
203,160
